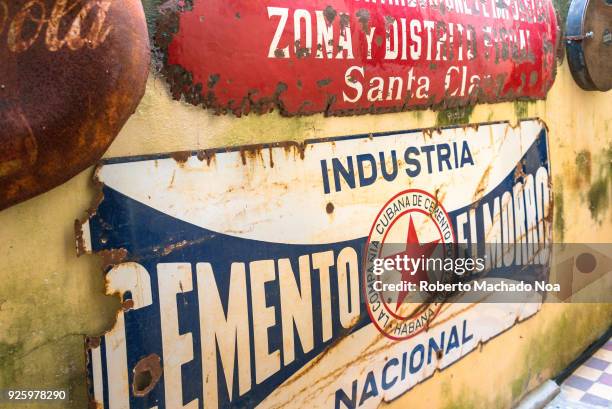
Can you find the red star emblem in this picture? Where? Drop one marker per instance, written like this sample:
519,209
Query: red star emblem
414,250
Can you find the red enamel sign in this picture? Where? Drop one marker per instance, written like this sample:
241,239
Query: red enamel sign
348,56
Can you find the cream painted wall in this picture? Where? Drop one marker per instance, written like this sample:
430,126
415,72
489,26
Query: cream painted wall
49,298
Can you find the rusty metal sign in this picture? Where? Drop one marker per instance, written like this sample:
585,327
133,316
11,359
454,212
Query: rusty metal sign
344,57
241,270
71,73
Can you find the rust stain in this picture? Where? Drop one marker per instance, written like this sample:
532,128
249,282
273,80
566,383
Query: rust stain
113,257
480,188
271,158
127,305
92,342
439,196
80,242
20,152
79,223
208,155
255,151
181,157
519,172
146,375
94,405
171,247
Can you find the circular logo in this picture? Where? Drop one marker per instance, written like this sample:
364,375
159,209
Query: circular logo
410,230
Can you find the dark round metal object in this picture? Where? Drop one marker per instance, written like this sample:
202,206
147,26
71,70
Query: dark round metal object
71,74
589,43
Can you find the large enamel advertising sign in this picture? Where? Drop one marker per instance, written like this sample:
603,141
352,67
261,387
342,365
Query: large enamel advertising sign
344,57
243,273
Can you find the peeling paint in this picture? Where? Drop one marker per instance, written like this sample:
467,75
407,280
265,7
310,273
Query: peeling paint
350,83
147,373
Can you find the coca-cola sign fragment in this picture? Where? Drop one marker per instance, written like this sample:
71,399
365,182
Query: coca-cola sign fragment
71,73
345,57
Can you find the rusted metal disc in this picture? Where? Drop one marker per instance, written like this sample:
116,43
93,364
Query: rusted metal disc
71,73
598,48
589,43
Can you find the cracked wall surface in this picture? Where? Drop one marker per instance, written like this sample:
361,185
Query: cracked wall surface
49,298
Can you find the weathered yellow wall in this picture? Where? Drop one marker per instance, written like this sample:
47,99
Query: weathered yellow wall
49,298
